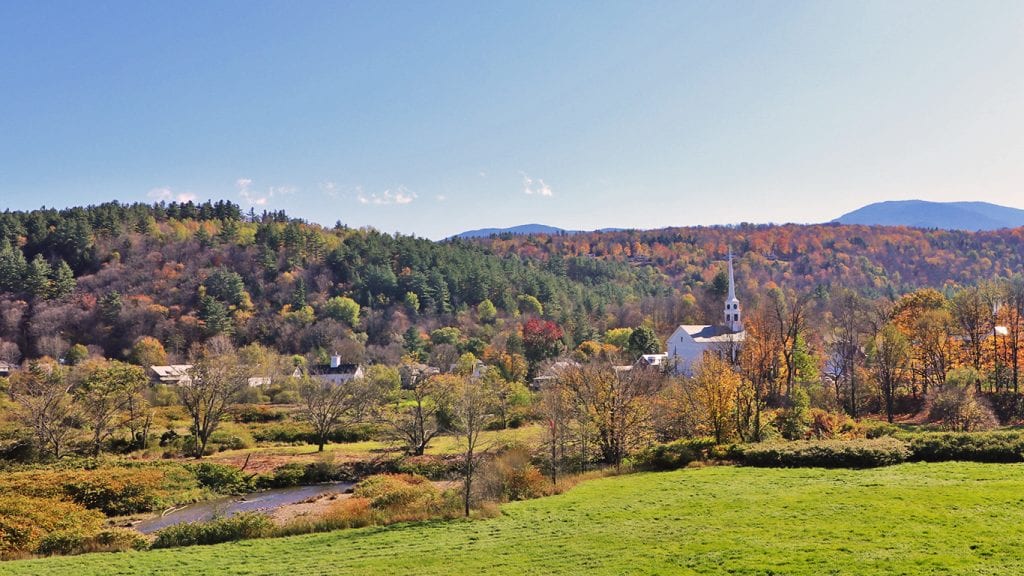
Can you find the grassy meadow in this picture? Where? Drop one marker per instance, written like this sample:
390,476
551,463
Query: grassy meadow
948,518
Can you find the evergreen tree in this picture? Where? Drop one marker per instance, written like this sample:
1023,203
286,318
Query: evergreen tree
12,268
63,282
37,278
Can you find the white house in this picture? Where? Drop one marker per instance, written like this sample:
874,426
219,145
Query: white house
690,342
336,372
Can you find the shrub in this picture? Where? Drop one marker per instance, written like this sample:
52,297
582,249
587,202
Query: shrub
239,527
221,478
670,456
510,476
957,406
795,420
115,540
859,453
404,497
249,414
827,425
881,429
117,492
25,522
68,541
285,432
113,490
284,476
433,467
974,447
232,437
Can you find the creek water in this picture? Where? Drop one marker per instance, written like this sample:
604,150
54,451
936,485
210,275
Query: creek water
266,501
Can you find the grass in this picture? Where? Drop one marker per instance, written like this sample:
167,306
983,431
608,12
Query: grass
948,518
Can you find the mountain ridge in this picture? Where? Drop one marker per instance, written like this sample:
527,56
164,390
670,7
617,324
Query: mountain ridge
968,216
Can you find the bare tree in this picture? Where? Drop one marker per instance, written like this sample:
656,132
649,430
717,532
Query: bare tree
42,394
790,315
971,314
846,346
216,381
413,416
1013,295
473,403
889,355
328,406
557,410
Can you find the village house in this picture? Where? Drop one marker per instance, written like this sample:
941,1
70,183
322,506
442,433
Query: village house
336,372
173,374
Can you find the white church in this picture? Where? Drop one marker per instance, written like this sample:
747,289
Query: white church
689,343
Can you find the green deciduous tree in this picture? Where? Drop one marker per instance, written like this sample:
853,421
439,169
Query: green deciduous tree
103,394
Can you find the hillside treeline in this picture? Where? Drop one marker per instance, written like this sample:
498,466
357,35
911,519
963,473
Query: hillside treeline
105,276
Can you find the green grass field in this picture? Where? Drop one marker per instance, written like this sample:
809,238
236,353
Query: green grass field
951,518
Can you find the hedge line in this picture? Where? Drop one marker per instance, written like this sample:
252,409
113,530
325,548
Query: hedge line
852,453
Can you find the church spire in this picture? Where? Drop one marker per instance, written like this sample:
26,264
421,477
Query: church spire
732,282
733,318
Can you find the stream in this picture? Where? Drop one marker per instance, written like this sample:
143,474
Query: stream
266,501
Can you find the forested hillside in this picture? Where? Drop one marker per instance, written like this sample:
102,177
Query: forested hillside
105,276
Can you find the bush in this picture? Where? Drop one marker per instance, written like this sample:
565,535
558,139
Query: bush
881,429
113,490
61,542
670,456
239,527
859,453
116,540
250,414
957,406
510,476
221,478
404,497
433,467
26,522
301,433
284,476
117,492
974,447
232,437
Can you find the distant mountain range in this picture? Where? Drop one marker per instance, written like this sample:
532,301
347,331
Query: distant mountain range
946,215
523,229
969,216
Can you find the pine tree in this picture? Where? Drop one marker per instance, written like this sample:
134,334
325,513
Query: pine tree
37,278
12,268
63,281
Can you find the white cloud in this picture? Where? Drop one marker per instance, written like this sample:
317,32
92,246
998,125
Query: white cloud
535,186
329,188
165,194
259,198
400,195
440,197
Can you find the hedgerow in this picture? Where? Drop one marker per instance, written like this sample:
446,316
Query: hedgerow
857,453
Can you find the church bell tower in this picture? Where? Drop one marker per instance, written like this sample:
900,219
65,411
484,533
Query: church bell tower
733,315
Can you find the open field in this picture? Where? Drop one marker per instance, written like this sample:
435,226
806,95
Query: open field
266,457
950,518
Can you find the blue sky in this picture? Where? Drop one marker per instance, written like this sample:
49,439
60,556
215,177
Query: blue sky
436,117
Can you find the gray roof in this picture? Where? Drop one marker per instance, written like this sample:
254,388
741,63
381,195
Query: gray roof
712,333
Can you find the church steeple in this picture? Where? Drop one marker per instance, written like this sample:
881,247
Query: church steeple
733,316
